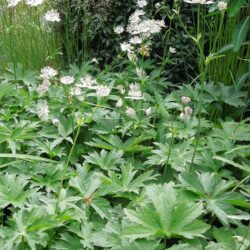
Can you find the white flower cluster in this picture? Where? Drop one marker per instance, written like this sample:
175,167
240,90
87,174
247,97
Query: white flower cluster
34,3
188,111
52,16
134,92
222,5
87,82
66,80
103,90
43,88
199,1
43,110
48,73
12,3
119,30
142,3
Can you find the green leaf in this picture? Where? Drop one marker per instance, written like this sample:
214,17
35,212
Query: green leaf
235,7
166,215
240,33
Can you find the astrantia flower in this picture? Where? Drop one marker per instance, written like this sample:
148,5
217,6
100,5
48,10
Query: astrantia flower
52,16
87,82
185,99
130,112
34,3
43,110
103,90
43,88
141,3
119,103
55,122
48,73
199,1
13,3
135,40
172,50
134,92
222,5
119,30
148,111
76,91
67,80
126,47
188,111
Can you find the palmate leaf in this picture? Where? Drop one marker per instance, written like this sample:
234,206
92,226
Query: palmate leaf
28,226
114,142
126,181
165,216
12,191
213,190
87,185
105,160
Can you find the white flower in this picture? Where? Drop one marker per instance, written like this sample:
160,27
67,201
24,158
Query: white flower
121,89
119,103
132,56
55,122
13,3
140,72
126,47
141,3
134,92
135,40
48,72
67,80
148,111
87,82
94,60
188,111
43,110
157,5
130,112
75,91
182,116
43,88
34,3
52,16
119,30
185,99
172,50
103,90
199,1
222,5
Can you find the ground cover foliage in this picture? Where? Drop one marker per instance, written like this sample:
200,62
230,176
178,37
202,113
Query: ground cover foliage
139,140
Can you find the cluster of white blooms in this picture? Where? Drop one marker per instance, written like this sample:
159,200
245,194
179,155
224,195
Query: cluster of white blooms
126,47
141,3
43,110
67,80
135,40
34,3
43,88
222,5
148,111
55,122
13,3
185,99
134,92
199,1
103,90
130,112
52,16
119,30
48,73
119,103
172,50
75,91
145,27
186,114
87,82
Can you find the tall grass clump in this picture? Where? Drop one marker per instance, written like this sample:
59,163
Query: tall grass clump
25,37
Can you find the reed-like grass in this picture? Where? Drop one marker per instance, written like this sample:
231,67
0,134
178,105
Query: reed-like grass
25,39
